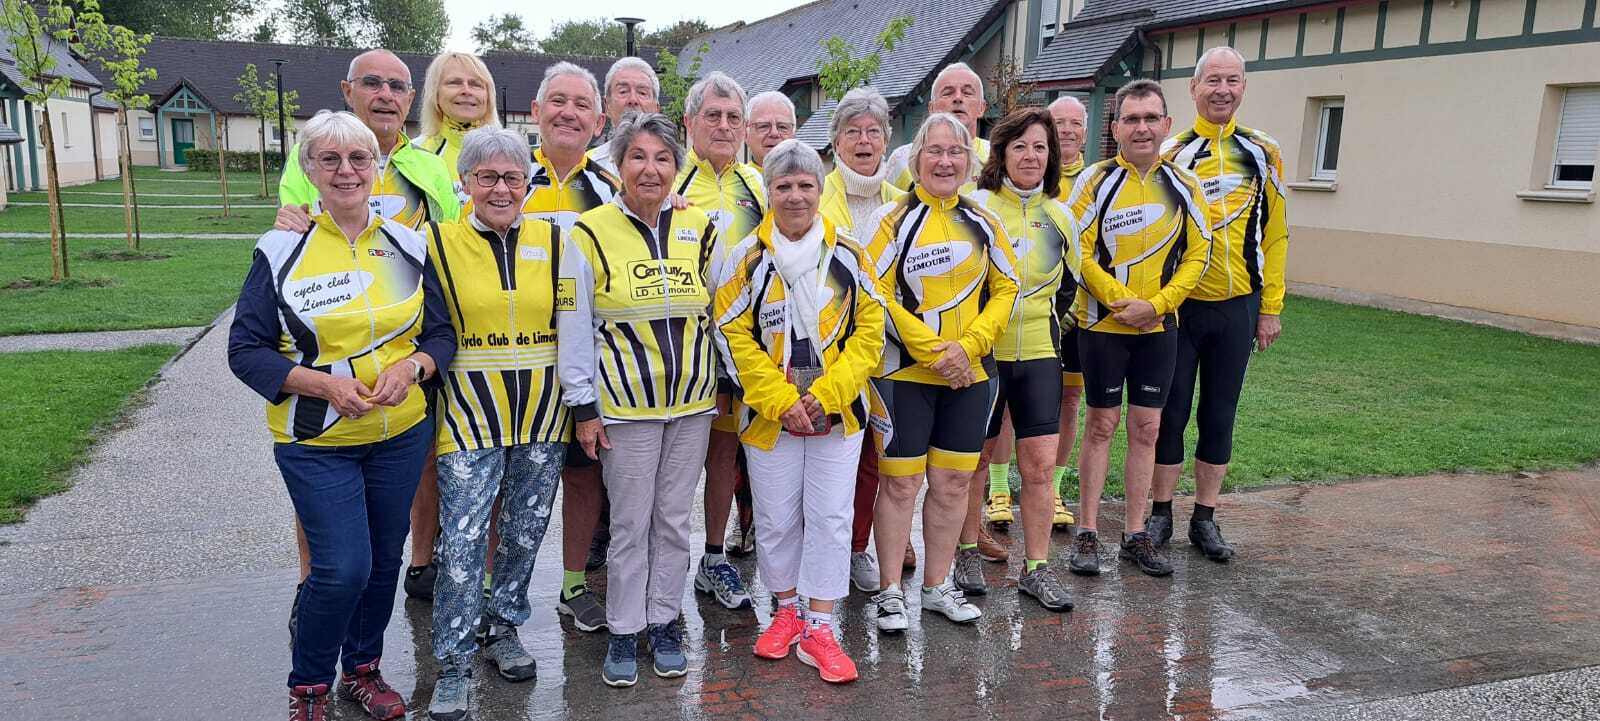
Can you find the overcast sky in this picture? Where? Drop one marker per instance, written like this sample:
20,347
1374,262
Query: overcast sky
538,17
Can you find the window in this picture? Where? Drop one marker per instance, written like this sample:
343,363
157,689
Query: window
1048,10
1329,130
1577,139
66,129
147,128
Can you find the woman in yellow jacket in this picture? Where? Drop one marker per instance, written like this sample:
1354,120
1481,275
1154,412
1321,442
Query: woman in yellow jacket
458,95
800,327
948,275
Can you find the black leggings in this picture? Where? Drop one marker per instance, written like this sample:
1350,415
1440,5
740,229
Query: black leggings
1214,343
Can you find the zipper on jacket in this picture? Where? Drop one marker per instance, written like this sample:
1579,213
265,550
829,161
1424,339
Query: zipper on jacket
1222,169
372,331
666,291
508,244
1022,272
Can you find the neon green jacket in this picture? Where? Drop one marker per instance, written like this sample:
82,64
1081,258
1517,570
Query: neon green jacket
422,169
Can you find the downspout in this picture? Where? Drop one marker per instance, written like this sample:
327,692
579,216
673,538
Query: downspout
94,133
1146,43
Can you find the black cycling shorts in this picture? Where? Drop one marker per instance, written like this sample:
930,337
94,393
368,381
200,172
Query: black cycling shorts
1215,339
1032,391
933,425
1142,363
1071,366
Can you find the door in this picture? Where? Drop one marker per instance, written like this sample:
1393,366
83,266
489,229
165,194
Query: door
182,140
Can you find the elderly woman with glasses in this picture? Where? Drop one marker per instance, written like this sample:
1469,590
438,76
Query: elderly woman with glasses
334,327
637,369
800,328
502,427
857,187
458,95
948,274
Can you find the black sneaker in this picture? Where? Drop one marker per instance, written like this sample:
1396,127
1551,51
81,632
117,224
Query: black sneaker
419,582
1206,536
1160,529
1140,549
1085,557
598,548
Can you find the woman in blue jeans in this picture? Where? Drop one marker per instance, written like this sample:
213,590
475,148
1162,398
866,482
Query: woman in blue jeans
334,327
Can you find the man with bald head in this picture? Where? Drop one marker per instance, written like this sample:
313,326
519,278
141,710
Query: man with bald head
1234,309
957,90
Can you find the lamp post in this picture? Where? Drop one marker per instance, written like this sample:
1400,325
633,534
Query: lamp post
283,128
629,23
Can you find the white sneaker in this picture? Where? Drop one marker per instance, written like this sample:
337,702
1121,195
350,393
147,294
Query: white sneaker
945,598
864,571
891,605
741,541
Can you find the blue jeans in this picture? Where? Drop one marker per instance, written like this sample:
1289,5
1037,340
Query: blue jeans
354,503
525,478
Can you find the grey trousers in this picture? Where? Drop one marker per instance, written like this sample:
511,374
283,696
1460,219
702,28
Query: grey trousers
651,472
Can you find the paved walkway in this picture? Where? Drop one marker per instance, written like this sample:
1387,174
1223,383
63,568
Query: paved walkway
159,585
98,340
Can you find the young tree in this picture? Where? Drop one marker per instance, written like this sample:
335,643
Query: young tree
121,50
674,85
261,96
504,31
1010,92
840,71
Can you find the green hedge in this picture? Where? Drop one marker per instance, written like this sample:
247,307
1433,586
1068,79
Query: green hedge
206,160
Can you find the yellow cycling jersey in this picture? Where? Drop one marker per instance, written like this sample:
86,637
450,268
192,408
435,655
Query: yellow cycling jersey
447,145
836,207
634,315
561,200
1069,176
501,390
755,321
735,200
1241,173
900,166
350,310
1145,237
1045,241
947,272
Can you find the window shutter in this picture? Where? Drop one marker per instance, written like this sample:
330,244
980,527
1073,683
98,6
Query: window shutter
1578,139
1047,17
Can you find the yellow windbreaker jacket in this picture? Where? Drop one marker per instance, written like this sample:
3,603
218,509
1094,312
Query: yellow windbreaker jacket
1045,241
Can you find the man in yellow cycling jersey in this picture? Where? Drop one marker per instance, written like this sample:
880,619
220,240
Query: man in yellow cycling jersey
771,120
1235,308
957,90
1146,240
732,194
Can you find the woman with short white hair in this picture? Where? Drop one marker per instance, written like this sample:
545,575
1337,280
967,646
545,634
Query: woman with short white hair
800,327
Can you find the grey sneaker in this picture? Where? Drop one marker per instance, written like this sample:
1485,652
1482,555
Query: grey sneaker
1160,528
666,650
864,572
891,605
1139,548
1085,557
505,651
946,599
588,614
1043,585
621,665
969,572
450,691
741,541
722,582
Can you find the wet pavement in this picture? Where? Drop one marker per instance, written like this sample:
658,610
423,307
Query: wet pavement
159,586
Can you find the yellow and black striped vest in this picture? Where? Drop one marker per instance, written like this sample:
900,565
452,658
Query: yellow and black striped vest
501,389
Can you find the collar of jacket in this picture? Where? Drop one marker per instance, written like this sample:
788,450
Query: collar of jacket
666,204
1134,171
769,226
939,203
1207,129
478,225
324,220
1076,166
544,160
705,165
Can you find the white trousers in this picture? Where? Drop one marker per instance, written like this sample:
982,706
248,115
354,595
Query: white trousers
803,491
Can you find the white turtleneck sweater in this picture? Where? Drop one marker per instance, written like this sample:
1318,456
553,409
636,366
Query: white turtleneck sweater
863,194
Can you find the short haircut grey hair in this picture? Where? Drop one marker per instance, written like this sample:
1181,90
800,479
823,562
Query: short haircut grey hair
767,98
633,63
858,102
481,145
955,68
718,83
329,130
351,73
921,140
791,157
635,124
1211,54
566,68
1069,100
1141,88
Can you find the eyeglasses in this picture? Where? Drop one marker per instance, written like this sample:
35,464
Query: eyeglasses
489,179
764,128
330,161
373,83
1134,121
853,134
716,117
954,152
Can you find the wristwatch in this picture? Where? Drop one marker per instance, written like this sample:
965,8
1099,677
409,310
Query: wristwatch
417,376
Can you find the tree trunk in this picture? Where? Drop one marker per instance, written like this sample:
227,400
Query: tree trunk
263,167
125,166
222,163
58,232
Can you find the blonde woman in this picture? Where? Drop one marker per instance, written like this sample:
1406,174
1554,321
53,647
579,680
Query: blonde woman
458,95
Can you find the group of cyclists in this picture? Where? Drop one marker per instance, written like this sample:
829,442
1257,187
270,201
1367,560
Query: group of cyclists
450,330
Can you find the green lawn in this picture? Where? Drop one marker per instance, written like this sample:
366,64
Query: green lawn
54,404
1350,392
156,188
195,282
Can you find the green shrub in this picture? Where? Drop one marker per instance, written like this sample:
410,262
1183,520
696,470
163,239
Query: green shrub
206,160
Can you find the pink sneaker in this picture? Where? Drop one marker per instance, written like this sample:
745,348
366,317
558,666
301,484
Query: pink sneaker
367,687
784,632
820,650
